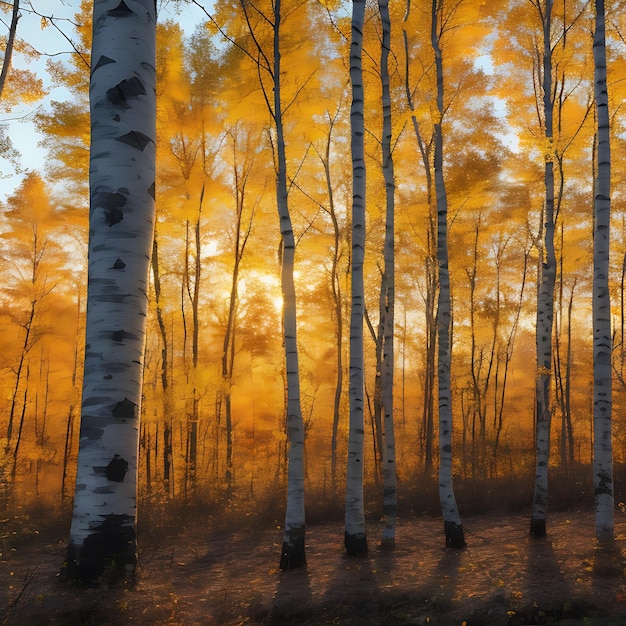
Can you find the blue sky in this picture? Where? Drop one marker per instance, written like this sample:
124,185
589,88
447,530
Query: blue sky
48,41
51,44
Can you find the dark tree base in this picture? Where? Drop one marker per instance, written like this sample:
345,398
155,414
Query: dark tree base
454,535
356,545
109,555
387,544
537,527
608,561
293,554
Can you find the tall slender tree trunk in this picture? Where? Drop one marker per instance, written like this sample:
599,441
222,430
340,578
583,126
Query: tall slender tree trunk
69,430
602,343
166,402
337,308
26,346
193,292
390,499
8,51
240,239
569,429
501,380
20,428
545,299
427,427
452,520
122,174
355,535
293,550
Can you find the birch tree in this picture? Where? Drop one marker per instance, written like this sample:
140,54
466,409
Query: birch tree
293,553
548,38
355,535
545,287
122,173
452,520
270,76
387,308
545,291
602,341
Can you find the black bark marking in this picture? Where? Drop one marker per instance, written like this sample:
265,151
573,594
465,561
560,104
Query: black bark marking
292,555
113,297
604,484
110,548
124,91
125,409
94,400
118,336
135,139
117,368
116,469
118,265
356,545
103,60
116,118
152,191
538,527
113,216
91,433
112,204
121,10
455,537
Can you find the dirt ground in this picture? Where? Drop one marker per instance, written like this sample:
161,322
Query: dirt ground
503,577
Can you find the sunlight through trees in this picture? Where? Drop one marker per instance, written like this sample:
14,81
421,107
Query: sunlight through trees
286,325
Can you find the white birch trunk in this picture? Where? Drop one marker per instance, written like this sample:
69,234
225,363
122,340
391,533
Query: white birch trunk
122,174
293,550
390,506
545,301
355,535
453,526
602,340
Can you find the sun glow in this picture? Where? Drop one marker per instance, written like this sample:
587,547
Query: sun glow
277,301
267,282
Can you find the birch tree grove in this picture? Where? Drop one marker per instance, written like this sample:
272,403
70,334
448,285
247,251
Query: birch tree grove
122,173
602,341
367,282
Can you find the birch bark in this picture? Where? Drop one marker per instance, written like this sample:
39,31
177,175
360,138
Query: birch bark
355,535
122,174
452,520
545,295
602,340
293,551
390,505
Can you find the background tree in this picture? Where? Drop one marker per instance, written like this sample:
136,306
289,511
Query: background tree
602,344
355,535
387,308
17,85
263,45
452,520
34,267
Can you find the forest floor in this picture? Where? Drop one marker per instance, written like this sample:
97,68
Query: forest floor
199,576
